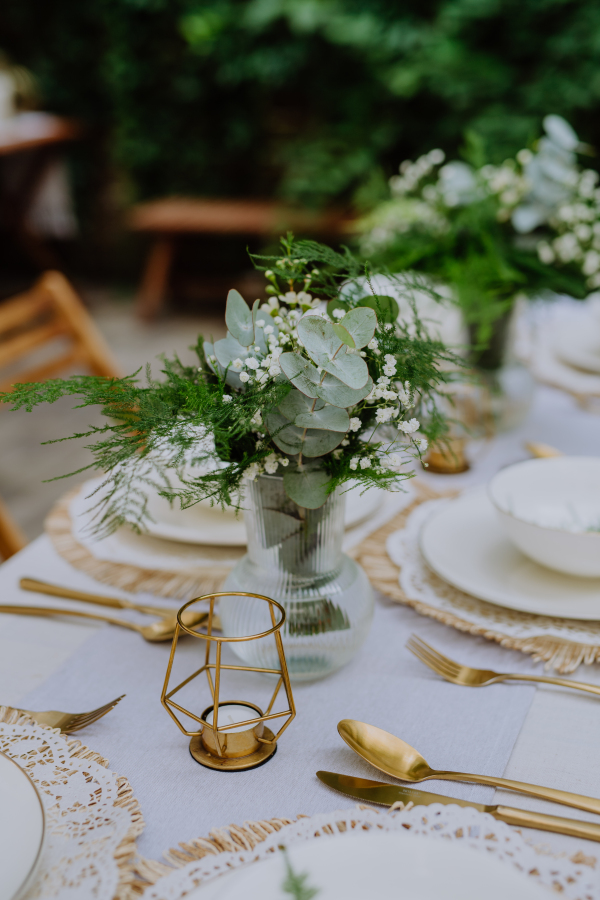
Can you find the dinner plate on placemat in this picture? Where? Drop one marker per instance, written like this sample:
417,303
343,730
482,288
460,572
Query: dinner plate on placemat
464,543
211,525
21,828
386,865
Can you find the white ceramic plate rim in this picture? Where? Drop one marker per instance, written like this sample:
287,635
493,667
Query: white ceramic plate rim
234,533
497,594
27,879
462,860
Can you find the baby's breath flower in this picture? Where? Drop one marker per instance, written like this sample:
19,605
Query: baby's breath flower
271,462
373,344
409,427
355,424
256,418
384,415
244,377
251,363
227,398
284,461
365,463
353,463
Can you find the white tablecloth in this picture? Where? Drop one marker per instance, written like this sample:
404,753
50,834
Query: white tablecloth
544,735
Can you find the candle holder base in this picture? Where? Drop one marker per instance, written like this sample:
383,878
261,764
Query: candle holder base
233,764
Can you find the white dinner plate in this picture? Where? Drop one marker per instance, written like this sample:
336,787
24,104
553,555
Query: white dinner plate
464,543
205,524
387,866
577,343
21,828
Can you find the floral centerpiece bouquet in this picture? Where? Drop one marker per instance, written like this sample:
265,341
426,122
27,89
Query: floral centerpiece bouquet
310,389
492,232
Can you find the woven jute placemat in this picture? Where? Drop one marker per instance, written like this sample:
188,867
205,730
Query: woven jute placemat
181,580
563,644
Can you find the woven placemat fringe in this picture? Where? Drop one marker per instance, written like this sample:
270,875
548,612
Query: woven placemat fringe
124,576
557,653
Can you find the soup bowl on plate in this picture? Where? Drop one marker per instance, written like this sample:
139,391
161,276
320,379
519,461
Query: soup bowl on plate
550,509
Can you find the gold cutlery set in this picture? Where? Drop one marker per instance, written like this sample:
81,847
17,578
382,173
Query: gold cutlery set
394,757
162,629
382,750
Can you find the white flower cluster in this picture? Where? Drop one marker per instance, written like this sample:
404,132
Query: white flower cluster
578,225
267,466
411,173
543,188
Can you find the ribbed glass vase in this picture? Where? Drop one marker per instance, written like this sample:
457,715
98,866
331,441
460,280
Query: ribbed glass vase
295,556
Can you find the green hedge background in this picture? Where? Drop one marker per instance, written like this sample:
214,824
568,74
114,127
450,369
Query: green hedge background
312,100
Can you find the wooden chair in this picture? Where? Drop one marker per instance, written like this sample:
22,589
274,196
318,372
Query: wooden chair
28,323
167,219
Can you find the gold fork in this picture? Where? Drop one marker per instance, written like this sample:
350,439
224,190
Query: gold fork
467,675
69,722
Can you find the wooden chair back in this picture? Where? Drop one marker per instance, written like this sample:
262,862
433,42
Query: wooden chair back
50,310
30,324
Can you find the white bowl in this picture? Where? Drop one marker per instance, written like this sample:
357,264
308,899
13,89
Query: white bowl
550,509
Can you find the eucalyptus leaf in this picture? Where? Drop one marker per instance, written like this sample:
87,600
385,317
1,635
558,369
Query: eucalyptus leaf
386,307
228,349
349,368
319,338
334,391
296,403
330,418
306,485
311,442
301,373
344,335
238,318
361,324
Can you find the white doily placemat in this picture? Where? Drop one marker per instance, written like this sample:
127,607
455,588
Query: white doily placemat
92,817
227,848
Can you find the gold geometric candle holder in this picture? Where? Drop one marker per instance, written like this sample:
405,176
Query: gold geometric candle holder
232,733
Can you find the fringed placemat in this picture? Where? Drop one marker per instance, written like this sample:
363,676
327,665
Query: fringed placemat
563,644
134,562
140,562
232,846
92,816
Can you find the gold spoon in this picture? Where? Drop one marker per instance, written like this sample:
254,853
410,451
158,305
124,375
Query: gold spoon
163,630
393,756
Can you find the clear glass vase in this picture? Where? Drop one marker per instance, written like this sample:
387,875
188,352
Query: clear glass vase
295,556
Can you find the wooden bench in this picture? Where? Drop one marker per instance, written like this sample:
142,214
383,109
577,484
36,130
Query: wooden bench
171,217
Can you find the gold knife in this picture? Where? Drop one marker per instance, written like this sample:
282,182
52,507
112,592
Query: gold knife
388,794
